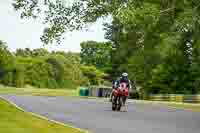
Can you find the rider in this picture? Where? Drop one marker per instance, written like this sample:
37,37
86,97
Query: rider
122,79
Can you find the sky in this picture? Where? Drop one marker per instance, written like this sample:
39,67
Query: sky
18,33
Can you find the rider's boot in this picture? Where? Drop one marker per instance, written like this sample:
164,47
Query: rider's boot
126,106
111,96
110,99
126,109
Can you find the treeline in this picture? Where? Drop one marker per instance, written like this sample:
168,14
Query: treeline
167,69
158,44
156,41
43,69
159,49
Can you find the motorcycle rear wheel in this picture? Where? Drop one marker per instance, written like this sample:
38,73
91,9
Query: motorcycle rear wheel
119,103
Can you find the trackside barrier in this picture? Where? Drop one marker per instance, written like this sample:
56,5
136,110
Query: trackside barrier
100,91
175,98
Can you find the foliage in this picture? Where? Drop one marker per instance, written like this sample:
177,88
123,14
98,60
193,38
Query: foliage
43,69
6,64
6,57
61,16
97,54
156,44
156,41
28,52
94,76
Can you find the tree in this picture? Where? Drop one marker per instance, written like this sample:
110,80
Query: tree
94,76
62,16
58,68
5,56
19,76
24,52
97,54
150,37
140,34
39,52
6,64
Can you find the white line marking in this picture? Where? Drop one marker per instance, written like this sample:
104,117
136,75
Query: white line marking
42,117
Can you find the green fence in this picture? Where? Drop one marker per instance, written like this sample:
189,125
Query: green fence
175,98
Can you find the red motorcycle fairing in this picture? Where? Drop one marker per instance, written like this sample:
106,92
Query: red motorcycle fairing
122,90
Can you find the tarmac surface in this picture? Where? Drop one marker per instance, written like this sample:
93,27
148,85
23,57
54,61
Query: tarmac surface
96,116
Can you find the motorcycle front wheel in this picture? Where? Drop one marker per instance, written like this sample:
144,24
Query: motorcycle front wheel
114,103
119,104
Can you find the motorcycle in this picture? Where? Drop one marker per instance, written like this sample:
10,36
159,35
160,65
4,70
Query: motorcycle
119,97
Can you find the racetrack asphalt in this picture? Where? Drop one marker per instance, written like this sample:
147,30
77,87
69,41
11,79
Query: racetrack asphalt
96,116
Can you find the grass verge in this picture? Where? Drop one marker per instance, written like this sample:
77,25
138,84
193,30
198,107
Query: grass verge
38,92
15,121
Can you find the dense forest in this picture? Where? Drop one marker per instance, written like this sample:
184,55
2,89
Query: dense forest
156,41
43,69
